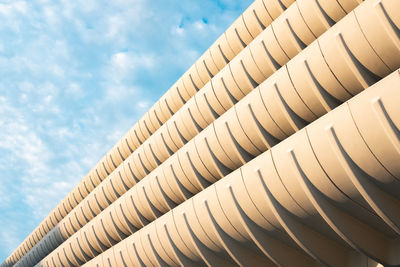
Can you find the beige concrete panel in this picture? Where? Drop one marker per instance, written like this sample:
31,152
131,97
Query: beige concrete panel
97,174
74,249
238,36
186,123
314,81
142,205
158,197
120,228
320,15
292,32
212,154
66,228
161,111
96,236
156,115
111,230
196,242
153,116
256,18
355,183
168,137
245,217
348,6
123,147
226,89
94,205
108,191
178,178
375,16
54,219
202,68
193,167
130,144
147,163
302,163
133,172
98,201
148,121
121,255
276,7
127,176
155,202
252,71
150,153
177,138
70,254
102,169
121,218
132,250
182,91
137,135
109,166
172,100
153,248
81,215
144,130
130,211
346,43
283,103
142,252
191,117
87,209
221,231
208,106
245,72
177,97
84,243
89,185
222,47
192,81
78,197
116,186
210,63
267,53
171,184
158,145
206,67
60,259
167,194
109,258
309,240
233,140
165,142
74,221
252,114
221,52
381,140
173,244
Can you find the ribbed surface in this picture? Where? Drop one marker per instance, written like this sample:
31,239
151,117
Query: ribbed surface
285,195
325,195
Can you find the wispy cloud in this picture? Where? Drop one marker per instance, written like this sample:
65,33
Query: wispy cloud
74,77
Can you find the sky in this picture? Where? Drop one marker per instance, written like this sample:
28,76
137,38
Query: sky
74,77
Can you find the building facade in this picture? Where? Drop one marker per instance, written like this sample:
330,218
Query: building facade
280,146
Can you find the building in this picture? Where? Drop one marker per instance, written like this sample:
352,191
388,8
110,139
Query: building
279,146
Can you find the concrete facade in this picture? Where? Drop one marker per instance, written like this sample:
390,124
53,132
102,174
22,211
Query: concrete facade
279,146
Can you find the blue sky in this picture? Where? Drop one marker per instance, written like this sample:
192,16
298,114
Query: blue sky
74,77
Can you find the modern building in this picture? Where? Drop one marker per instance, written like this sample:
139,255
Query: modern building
280,146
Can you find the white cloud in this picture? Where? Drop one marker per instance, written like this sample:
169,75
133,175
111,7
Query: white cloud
76,75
